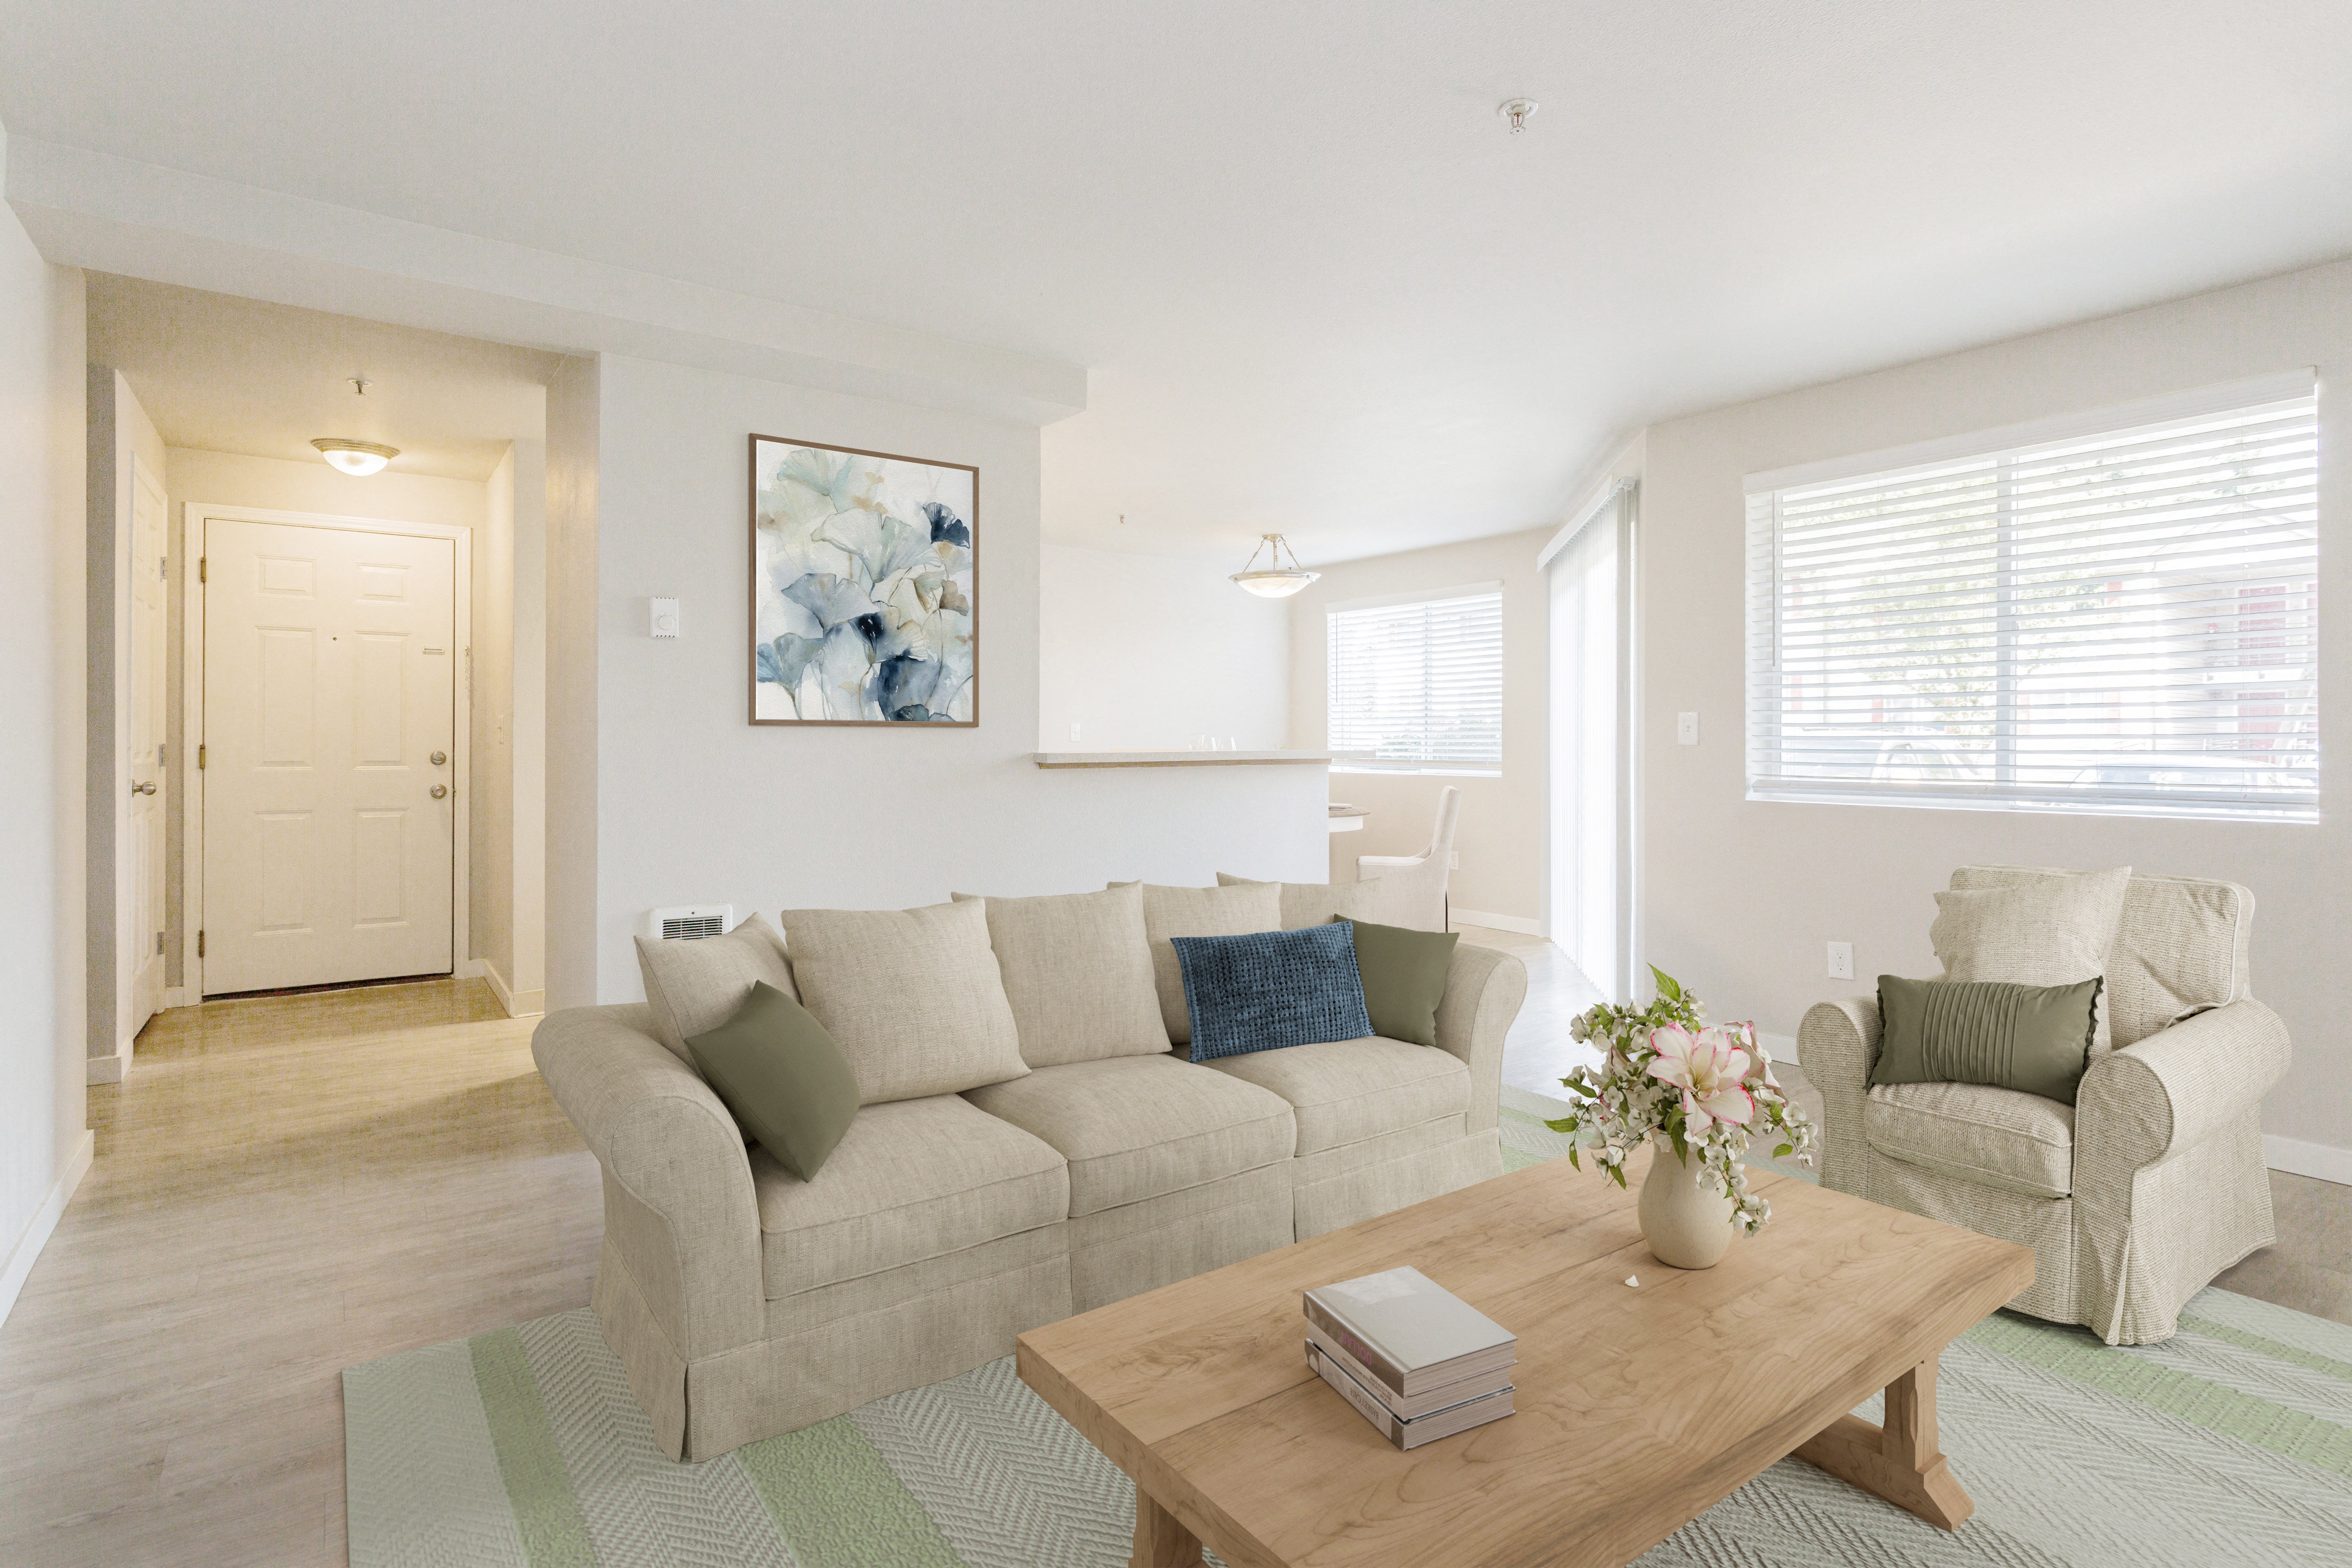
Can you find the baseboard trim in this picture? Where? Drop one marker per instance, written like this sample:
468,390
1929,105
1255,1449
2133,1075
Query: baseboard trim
1520,924
469,969
2296,1157
176,996
108,1068
22,1256
1782,1047
518,1004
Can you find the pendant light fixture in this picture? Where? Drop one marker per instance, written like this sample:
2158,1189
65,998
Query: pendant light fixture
1274,581
357,458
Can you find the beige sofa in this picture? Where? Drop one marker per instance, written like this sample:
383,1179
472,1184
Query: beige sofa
745,1302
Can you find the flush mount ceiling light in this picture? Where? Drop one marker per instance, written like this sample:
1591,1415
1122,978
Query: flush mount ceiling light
357,458
1517,111
1274,581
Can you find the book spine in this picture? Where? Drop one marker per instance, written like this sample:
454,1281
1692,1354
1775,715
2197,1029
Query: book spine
1355,1393
1391,1375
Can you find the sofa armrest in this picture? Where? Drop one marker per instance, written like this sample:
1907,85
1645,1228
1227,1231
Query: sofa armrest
1483,988
2150,1101
679,1208
1837,1044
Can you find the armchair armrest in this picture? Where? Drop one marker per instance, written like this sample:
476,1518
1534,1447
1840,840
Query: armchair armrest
1837,1044
1483,988
2150,1101
679,1205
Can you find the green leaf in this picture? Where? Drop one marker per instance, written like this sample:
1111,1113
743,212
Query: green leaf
1618,1172
1784,1150
1668,987
1573,1162
1674,1132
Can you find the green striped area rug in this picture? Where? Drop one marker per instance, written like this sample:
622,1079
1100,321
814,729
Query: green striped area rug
2231,1444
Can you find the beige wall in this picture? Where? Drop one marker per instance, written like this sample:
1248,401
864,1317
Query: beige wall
228,478
491,761
575,417
1501,838
1740,896
43,525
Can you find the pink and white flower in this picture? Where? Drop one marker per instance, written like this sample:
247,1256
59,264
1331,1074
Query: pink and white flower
1709,1069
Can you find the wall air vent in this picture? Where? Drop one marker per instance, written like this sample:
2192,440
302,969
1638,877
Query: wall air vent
689,922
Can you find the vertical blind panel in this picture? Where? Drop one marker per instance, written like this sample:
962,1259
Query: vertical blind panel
2124,623
1419,684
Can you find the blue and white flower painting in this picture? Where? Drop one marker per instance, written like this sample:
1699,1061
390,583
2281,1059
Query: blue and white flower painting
863,587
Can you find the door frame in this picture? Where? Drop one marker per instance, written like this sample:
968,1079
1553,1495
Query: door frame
126,700
195,515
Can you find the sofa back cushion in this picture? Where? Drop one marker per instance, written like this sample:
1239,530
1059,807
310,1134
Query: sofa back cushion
1307,904
2049,931
695,987
2180,946
913,997
1197,911
1078,973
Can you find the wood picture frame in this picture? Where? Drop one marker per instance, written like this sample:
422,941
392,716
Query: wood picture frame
864,588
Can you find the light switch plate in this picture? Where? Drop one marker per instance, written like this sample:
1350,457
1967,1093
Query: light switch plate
1841,960
1686,729
665,617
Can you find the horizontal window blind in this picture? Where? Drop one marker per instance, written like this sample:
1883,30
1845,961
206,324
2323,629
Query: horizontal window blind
1418,686
2123,622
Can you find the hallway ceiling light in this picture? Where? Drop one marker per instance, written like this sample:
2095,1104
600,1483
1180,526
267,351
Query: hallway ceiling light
357,458
1275,580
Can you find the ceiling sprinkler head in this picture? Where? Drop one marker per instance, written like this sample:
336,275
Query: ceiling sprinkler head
1517,111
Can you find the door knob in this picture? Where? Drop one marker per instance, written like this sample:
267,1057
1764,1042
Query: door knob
440,790
147,788
440,758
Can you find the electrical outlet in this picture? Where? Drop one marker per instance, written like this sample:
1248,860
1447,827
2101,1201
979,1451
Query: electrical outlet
1841,960
1454,859
1686,729
1074,731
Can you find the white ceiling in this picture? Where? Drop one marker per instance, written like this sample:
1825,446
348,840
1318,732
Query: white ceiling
1318,287
224,374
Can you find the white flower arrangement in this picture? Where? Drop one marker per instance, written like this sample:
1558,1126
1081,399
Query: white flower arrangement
1707,1088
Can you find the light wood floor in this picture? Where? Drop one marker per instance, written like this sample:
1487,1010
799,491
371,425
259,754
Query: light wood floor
288,1186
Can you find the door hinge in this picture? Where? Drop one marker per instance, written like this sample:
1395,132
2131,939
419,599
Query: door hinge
201,574
159,944
200,944
199,756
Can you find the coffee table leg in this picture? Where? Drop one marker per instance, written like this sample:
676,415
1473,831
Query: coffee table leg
1161,1539
1898,1461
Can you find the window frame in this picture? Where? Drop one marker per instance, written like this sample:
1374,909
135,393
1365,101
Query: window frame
1767,603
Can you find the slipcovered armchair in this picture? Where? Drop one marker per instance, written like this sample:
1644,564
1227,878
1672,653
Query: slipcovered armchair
1413,887
2136,1196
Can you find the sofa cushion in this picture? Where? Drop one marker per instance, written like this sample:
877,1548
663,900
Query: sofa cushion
911,1180
1317,903
1994,1137
2052,932
1271,989
913,997
781,1078
1403,972
1136,1127
1198,912
2035,1039
1344,1091
1077,972
693,987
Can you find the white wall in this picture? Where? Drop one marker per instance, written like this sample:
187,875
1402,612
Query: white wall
1500,836
275,484
574,412
490,761
1739,897
1148,653
44,1145
692,804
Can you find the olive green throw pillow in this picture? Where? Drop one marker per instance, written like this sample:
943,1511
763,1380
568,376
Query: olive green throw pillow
1404,977
783,1077
2035,1039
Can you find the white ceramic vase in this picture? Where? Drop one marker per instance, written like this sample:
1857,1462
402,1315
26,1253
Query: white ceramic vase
1686,1225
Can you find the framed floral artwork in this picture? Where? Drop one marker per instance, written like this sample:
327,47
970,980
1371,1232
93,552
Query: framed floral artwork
865,590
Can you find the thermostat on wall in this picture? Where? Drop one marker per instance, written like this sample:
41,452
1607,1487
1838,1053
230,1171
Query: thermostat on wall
665,617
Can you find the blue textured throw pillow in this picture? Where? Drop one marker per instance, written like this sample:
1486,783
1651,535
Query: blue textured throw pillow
1271,989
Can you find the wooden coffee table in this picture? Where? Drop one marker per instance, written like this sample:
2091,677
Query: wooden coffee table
1638,1407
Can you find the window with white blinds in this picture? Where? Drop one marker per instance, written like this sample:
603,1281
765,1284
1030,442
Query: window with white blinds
1417,686
2120,620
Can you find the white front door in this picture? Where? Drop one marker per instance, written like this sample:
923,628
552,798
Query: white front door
330,776
139,897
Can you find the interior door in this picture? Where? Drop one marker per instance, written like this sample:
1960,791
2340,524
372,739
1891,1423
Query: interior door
329,774
140,866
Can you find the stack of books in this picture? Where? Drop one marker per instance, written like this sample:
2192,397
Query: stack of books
1414,1359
